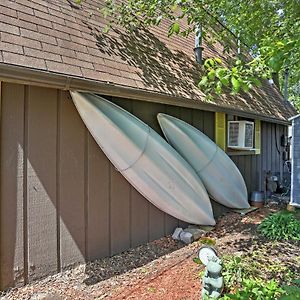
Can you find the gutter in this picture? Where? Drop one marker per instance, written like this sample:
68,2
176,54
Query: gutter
24,75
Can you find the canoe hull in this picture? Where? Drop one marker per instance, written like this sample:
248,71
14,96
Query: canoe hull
219,174
146,160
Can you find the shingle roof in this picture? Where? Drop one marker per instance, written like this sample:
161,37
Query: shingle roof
60,37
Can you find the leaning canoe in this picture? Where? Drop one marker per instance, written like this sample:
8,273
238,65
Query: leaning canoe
146,160
221,177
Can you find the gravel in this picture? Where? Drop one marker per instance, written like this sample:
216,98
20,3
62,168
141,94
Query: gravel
162,269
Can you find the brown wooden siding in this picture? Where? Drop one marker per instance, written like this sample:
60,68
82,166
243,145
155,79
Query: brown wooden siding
62,201
255,167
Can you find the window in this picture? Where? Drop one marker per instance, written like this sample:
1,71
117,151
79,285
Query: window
226,134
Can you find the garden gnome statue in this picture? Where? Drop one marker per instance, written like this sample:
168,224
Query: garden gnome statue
212,279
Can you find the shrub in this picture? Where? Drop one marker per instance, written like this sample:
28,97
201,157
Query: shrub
280,226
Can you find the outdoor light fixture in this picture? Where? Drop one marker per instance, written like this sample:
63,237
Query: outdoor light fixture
198,41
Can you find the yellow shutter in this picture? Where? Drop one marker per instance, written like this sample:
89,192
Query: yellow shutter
257,136
220,129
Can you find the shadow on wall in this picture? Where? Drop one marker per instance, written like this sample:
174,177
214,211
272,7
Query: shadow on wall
61,203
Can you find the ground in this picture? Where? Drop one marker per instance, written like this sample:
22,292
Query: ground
163,269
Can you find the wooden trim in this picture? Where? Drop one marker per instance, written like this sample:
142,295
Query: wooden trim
257,139
220,130
23,75
238,153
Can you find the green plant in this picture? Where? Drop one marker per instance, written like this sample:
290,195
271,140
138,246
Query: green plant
236,269
280,226
291,292
207,241
256,289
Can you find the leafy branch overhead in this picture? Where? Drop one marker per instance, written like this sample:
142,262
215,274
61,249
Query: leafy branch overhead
268,32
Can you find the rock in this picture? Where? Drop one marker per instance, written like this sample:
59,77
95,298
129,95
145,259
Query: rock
196,233
45,296
186,237
176,234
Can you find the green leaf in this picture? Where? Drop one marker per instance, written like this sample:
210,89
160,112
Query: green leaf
255,81
174,28
203,82
211,74
209,63
218,60
225,80
235,84
197,260
218,88
220,72
245,87
275,63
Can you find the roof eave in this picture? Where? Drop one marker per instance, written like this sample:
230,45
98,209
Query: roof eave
24,75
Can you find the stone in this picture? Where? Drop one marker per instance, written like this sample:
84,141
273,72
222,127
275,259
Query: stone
186,237
45,296
176,234
196,233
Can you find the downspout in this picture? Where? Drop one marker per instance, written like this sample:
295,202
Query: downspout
286,85
285,97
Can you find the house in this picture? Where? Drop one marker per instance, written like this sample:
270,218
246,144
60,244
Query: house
62,202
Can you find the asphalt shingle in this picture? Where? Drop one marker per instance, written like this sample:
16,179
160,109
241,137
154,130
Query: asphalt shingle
61,37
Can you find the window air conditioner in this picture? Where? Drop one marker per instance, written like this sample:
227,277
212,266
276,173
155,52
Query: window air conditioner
240,135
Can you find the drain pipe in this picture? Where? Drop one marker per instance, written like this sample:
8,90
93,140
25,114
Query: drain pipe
286,84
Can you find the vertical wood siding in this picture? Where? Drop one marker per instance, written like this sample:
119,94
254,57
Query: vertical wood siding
63,202
255,167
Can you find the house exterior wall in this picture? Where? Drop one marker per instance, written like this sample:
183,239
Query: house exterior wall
62,201
295,186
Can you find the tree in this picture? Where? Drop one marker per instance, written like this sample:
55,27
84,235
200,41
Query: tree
269,30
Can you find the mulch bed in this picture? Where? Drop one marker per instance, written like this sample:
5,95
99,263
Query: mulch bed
163,269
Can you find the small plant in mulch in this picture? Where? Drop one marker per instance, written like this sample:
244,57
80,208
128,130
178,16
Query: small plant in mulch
207,241
255,289
281,226
249,277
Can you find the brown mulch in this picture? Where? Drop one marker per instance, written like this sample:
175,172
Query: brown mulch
163,269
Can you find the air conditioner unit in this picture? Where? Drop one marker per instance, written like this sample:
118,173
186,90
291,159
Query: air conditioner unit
240,135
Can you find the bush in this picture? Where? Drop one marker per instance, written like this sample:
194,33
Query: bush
280,226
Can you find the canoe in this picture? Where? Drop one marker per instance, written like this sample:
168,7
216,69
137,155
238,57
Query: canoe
221,177
146,160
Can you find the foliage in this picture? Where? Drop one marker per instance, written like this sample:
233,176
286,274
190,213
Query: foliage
280,226
291,292
268,30
237,269
207,241
253,277
253,289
